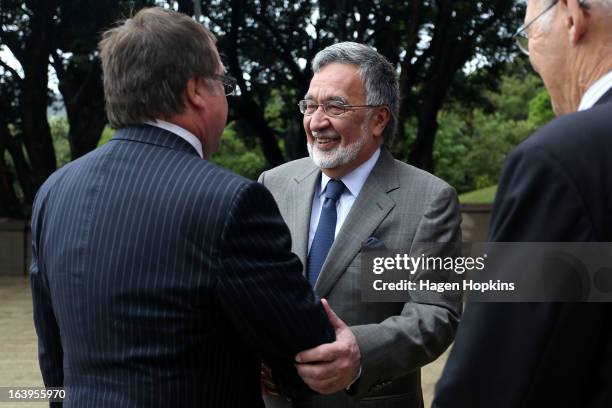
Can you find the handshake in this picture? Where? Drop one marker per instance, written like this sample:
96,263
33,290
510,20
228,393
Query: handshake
327,368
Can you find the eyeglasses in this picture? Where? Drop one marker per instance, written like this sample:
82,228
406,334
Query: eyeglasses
521,36
332,108
229,82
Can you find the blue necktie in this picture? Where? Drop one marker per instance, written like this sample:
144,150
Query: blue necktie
324,237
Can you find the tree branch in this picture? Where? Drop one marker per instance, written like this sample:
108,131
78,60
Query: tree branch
13,72
58,65
285,55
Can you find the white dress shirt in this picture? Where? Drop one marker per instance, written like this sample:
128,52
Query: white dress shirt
180,132
354,182
596,91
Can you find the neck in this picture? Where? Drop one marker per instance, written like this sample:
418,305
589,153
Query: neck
191,124
592,59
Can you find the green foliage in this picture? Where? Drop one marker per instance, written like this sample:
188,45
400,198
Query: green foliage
482,196
107,134
540,109
472,144
514,93
59,131
235,155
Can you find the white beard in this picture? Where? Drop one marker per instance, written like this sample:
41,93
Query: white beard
338,156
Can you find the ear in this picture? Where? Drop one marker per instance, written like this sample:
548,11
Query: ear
379,120
195,92
576,20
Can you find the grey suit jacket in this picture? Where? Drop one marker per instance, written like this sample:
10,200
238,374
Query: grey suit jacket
399,204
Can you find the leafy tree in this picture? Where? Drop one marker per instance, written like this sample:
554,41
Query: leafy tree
472,143
235,155
268,45
65,34
540,109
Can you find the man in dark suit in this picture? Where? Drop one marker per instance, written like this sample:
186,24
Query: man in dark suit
158,278
555,187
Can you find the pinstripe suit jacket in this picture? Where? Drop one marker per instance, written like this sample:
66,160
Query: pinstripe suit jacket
160,279
398,204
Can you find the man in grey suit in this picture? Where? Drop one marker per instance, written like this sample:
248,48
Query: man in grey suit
351,194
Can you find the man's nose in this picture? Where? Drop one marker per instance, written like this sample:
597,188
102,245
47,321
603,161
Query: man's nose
319,120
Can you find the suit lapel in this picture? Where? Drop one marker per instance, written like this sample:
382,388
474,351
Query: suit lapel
302,194
368,211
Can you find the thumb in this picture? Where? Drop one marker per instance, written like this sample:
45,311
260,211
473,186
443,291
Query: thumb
333,318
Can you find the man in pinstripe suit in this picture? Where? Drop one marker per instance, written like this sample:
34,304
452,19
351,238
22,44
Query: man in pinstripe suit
351,105
158,278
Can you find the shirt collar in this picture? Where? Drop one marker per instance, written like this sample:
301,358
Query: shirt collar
354,180
179,131
596,91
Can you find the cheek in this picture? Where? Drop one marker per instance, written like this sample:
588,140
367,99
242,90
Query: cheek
306,124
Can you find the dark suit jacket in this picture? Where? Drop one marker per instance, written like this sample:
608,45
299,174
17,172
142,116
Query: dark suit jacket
555,187
161,280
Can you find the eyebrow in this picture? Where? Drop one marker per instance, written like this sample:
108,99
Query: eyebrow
309,97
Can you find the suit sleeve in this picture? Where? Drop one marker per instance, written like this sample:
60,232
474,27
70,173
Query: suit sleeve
262,289
499,345
425,327
50,352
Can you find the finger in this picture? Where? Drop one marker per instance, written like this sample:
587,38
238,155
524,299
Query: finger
334,320
324,352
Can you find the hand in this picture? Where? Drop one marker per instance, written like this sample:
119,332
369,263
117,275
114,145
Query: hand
268,387
331,367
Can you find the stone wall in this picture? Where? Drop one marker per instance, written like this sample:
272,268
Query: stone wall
15,246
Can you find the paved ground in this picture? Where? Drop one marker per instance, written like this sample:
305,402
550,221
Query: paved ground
18,361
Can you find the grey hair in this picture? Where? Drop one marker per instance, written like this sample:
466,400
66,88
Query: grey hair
545,19
147,61
377,74
546,3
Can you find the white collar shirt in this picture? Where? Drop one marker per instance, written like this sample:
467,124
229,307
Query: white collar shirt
595,92
180,132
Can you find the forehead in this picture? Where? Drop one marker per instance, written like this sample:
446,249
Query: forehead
336,81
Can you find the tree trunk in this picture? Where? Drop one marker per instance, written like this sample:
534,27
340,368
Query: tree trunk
83,95
421,152
34,95
253,116
9,205
23,170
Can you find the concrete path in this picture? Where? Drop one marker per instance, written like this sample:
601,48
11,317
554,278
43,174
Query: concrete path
18,355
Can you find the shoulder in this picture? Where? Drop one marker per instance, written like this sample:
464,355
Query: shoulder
290,170
280,176
570,136
418,182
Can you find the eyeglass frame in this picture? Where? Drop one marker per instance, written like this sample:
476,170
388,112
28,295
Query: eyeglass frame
228,81
521,33
325,105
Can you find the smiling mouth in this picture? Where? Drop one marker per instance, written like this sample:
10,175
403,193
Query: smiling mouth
326,142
